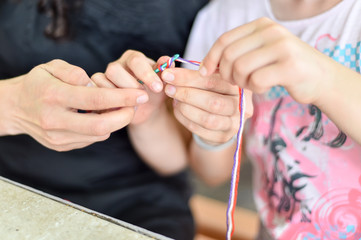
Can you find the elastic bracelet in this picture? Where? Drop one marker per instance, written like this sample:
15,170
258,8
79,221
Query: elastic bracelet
210,147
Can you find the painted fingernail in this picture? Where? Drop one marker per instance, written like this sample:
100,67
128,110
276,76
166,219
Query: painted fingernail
168,77
157,86
170,90
142,99
203,71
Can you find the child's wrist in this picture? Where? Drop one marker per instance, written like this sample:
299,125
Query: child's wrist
210,146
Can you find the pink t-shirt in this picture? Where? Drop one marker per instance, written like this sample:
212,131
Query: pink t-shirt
307,173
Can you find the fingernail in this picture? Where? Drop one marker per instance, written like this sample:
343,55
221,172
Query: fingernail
142,99
157,86
90,84
203,71
170,90
168,77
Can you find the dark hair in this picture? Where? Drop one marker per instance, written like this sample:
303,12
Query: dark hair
58,12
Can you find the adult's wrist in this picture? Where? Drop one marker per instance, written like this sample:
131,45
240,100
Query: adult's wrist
8,106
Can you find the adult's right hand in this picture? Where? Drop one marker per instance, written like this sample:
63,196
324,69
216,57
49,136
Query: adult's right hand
44,104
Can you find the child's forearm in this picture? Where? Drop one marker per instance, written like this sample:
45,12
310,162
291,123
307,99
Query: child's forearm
213,167
160,143
341,100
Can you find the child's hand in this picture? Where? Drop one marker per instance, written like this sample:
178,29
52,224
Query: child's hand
262,54
126,72
206,106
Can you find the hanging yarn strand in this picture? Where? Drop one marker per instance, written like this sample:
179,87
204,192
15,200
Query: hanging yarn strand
235,171
237,155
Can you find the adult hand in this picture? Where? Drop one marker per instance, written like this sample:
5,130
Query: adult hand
46,103
262,54
206,106
127,72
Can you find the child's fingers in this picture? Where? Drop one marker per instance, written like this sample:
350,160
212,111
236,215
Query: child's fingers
212,59
246,46
203,118
208,101
207,134
243,68
191,78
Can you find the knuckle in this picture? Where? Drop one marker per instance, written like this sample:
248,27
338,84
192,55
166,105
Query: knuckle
79,74
112,70
185,94
100,128
192,126
136,58
223,40
46,122
286,45
227,55
275,30
264,20
211,82
210,122
216,104
240,70
128,52
56,62
55,140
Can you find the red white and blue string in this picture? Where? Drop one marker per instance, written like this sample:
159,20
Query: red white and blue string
237,155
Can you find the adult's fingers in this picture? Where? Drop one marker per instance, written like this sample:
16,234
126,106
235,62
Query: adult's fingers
120,76
87,98
92,124
66,72
61,140
100,80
